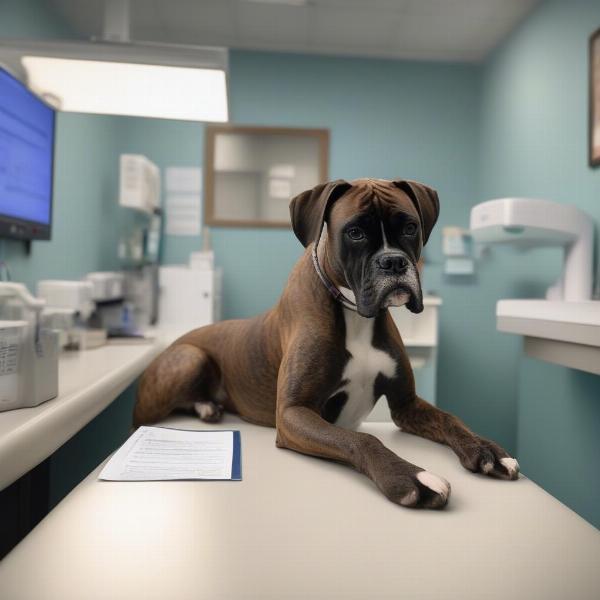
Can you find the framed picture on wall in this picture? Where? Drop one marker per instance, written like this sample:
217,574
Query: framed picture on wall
252,173
594,118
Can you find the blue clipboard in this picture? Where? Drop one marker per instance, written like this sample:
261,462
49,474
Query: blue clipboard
236,462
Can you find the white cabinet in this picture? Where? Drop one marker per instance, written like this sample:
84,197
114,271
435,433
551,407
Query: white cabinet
188,298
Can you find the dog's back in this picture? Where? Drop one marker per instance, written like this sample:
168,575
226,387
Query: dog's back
234,365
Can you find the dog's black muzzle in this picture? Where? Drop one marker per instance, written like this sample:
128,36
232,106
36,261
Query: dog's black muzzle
394,263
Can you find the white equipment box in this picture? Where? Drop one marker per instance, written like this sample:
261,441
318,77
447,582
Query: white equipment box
189,298
139,183
74,295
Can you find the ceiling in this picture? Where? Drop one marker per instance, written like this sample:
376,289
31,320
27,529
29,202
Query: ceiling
448,30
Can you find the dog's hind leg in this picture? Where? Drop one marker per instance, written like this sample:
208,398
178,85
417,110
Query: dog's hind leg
183,376
209,411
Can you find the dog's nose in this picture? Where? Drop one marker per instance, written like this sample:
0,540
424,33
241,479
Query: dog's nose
394,263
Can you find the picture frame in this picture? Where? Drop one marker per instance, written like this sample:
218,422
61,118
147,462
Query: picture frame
279,181
594,99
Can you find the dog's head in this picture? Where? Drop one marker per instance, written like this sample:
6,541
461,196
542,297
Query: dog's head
376,230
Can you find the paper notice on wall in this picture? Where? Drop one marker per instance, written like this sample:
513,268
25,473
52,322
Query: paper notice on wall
183,179
280,188
183,202
182,214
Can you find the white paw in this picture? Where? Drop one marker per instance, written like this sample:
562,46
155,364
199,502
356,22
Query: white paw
437,484
511,465
204,409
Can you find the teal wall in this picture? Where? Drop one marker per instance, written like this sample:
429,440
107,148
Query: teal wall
31,19
534,120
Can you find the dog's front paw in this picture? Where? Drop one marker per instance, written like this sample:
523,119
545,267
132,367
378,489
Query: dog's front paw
484,456
419,489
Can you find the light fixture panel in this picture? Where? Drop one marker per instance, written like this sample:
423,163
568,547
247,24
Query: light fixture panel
127,88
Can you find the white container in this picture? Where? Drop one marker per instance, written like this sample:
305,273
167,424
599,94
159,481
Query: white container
86,339
28,365
107,285
75,295
204,261
12,339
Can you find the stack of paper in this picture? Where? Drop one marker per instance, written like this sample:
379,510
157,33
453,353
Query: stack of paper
161,453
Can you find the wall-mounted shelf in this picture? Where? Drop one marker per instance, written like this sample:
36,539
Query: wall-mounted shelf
564,333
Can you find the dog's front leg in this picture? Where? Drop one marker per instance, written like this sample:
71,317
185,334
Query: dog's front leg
475,453
300,427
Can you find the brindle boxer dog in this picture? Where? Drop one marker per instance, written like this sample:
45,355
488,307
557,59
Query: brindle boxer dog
315,364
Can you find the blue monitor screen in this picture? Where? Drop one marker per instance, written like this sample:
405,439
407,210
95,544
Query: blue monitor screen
26,160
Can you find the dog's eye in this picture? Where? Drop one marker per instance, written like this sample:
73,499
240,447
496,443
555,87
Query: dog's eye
410,229
355,233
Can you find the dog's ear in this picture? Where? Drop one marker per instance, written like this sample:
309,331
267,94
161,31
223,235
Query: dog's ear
308,210
426,202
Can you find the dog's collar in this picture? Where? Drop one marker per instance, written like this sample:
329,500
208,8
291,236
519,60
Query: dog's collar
329,285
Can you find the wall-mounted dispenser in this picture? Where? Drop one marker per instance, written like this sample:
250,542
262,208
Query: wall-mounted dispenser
457,249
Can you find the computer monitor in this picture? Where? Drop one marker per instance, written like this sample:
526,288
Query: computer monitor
27,127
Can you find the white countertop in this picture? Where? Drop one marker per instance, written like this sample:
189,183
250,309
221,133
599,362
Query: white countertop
300,527
580,313
88,382
560,332
575,322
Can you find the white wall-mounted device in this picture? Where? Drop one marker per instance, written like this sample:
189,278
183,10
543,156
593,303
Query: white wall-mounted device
529,222
139,183
565,327
457,249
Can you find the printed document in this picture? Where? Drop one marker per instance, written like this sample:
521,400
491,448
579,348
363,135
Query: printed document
160,453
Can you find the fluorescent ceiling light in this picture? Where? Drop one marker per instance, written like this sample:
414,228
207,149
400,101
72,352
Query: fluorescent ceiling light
120,88
137,79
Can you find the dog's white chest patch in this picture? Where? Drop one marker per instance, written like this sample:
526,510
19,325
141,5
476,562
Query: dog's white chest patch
363,367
